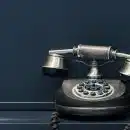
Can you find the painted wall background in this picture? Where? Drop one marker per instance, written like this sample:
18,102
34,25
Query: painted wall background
29,28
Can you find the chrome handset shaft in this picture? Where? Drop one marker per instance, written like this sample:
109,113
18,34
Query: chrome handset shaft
123,55
62,51
90,51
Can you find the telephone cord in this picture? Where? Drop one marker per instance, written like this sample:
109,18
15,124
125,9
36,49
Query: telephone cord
127,127
55,120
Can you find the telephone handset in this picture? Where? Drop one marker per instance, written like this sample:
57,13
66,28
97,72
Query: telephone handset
92,96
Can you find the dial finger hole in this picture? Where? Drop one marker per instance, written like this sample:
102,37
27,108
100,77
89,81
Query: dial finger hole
92,93
85,92
79,87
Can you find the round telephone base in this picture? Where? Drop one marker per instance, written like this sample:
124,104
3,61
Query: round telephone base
117,103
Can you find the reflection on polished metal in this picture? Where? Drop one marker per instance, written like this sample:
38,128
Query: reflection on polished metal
94,72
125,70
55,65
92,51
55,61
62,51
87,51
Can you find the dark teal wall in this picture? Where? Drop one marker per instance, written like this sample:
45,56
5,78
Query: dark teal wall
29,28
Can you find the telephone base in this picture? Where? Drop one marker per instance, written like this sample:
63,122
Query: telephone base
91,111
115,103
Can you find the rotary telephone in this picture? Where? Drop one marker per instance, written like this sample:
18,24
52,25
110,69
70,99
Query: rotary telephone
93,95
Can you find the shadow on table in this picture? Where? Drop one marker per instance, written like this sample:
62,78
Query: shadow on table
113,118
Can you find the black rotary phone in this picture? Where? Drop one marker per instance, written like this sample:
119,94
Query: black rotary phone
93,95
